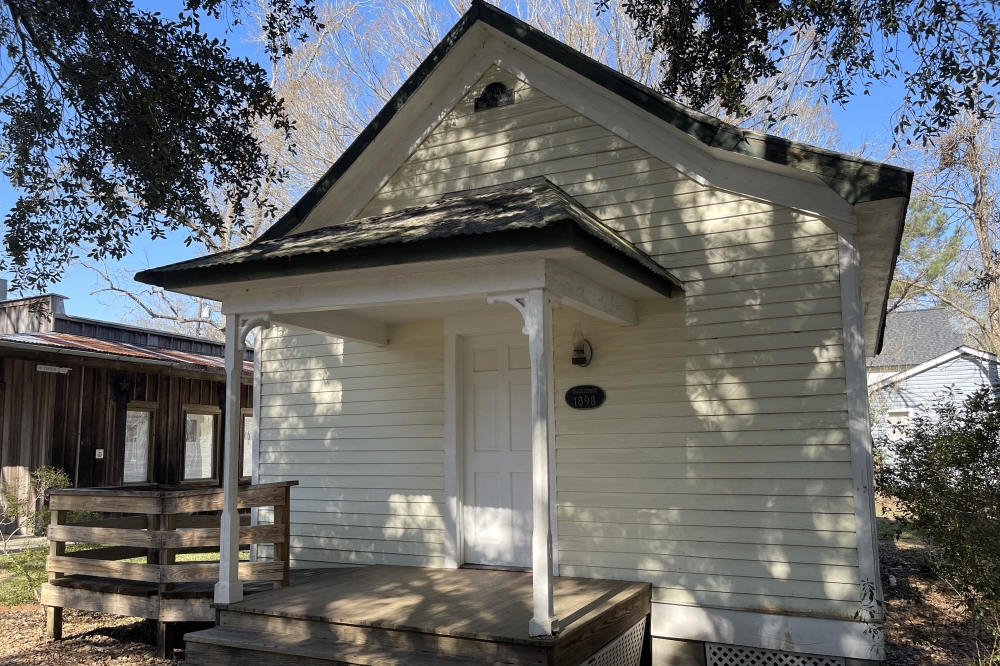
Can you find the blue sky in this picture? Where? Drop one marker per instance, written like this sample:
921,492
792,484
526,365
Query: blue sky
864,119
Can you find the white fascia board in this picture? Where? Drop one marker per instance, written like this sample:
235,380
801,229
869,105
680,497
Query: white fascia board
413,122
397,290
338,324
879,228
788,633
709,166
313,306
933,363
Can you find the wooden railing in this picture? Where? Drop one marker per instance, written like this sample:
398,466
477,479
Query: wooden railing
168,524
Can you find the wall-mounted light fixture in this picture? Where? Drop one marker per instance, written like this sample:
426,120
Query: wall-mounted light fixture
582,351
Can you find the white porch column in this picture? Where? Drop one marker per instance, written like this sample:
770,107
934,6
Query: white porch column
535,307
229,589
538,327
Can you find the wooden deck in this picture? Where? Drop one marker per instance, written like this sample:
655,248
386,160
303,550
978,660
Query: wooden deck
406,615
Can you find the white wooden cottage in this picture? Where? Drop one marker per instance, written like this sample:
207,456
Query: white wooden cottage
427,307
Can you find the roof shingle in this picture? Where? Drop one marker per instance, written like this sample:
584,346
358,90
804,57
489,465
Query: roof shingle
913,337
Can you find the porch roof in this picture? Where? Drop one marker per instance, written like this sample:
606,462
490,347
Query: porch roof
517,217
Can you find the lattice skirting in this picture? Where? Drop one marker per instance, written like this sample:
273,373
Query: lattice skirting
731,655
622,651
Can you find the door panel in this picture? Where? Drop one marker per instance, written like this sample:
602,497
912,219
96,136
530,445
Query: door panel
497,476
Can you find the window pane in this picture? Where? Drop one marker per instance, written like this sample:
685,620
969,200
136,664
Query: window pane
136,447
247,446
199,445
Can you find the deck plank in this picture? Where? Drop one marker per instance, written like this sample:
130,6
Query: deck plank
468,603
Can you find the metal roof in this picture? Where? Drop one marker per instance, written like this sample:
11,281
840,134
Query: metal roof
481,220
122,351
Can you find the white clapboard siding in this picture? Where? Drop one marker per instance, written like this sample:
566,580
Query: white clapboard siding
668,498
361,429
775,553
719,467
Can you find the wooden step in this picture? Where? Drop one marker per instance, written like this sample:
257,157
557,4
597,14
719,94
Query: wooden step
223,646
506,652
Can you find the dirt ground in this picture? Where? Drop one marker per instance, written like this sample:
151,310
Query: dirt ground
926,624
90,639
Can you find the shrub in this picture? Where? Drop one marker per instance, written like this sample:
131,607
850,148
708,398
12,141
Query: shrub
945,474
28,511
23,572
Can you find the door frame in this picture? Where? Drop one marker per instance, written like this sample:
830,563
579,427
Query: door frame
455,329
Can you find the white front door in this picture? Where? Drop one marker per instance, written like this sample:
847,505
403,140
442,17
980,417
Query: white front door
497,438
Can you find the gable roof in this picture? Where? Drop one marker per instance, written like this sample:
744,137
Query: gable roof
516,217
903,375
854,179
913,337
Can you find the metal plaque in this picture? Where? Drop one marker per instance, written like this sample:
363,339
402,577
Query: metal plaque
585,397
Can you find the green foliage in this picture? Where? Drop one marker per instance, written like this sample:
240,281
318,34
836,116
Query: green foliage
928,254
945,475
944,53
116,122
25,509
21,576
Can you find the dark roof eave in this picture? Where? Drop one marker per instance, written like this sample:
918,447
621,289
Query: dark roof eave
854,179
562,234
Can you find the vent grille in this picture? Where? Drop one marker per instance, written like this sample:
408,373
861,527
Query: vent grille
730,655
622,651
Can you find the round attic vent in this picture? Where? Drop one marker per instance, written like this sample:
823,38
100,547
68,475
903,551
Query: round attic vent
494,95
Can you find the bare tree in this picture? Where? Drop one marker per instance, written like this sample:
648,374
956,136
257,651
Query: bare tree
950,253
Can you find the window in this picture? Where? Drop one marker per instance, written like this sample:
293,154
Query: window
246,470
199,446
897,421
137,437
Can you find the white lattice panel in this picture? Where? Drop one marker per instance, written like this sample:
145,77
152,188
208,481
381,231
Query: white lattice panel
730,655
622,651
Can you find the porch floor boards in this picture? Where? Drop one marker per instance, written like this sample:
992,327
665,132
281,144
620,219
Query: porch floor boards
389,615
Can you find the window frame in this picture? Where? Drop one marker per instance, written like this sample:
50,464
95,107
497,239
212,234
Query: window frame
208,410
149,408
894,430
245,412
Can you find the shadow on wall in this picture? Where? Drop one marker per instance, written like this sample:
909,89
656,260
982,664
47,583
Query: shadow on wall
719,468
362,430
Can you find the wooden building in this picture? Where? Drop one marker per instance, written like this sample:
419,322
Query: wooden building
539,315
110,404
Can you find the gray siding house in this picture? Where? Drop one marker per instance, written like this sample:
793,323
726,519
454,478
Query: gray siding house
923,356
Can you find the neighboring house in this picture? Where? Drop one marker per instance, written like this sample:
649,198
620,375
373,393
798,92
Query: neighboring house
110,404
430,304
913,337
923,355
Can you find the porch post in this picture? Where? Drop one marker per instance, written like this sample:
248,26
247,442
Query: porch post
229,589
538,327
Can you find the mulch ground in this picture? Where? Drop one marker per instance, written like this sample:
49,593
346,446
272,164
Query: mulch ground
926,625
89,639
925,621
